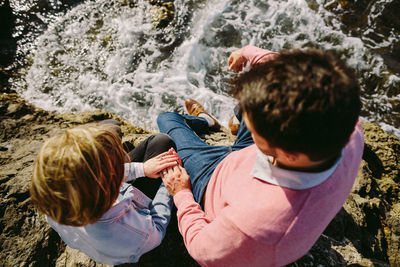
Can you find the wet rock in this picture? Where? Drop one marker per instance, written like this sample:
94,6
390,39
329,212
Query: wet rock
162,12
374,22
8,44
218,33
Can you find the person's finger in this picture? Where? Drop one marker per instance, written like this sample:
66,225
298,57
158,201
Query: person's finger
163,161
167,158
184,172
174,152
170,169
239,67
170,156
173,171
164,177
179,160
232,65
168,162
182,169
164,173
167,165
177,171
168,174
161,155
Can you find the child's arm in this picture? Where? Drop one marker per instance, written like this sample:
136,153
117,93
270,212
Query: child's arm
160,211
133,170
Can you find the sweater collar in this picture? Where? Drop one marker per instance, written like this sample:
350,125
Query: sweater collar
264,170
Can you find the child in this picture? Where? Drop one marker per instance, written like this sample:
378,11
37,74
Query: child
80,183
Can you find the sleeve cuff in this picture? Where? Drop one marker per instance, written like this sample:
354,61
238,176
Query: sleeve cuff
247,50
133,170
183,197
256,55
139,169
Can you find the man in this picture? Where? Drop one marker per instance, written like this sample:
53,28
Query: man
265,204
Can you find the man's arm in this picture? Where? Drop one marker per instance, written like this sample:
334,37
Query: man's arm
215,243
238,59
211,243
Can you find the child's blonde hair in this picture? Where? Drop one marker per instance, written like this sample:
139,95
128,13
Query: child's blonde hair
77,174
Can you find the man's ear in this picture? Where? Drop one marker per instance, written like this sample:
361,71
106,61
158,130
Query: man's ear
290,156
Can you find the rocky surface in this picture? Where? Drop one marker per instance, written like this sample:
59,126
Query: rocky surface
372,21
364,233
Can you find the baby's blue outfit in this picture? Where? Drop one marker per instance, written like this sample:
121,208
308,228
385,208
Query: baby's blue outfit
133,226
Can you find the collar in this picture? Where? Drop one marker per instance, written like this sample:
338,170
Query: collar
264,170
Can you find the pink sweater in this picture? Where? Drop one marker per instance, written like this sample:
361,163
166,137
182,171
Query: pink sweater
249,222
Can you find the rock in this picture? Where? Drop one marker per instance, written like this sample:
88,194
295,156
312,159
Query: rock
72,257
220,34
7,42
369,19
364,233
162,12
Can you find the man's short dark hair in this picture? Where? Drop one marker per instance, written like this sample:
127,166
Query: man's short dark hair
303,101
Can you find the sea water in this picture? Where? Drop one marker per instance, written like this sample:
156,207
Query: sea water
108,55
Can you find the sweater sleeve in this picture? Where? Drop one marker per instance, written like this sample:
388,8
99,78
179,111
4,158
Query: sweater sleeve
256,55
211,243
160,212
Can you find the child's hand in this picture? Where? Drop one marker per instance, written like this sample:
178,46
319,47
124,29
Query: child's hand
176,179
154,166
236,61
172,151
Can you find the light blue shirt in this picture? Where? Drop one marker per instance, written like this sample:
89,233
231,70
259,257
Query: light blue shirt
130,228
266,171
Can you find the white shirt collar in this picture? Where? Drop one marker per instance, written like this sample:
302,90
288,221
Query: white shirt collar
264,170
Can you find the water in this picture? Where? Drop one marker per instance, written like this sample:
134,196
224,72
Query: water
110,56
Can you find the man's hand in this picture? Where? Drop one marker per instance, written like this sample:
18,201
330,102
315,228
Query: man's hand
236,61
154,166
175,179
